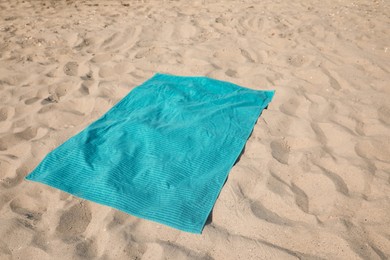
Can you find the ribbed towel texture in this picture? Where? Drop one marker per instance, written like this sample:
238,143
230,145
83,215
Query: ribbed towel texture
162,153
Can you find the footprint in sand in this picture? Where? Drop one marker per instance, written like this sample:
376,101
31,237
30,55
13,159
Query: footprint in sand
100,58
119,39
84,89
31,100
87,249
280,151
75,220
145,52
25,207
106,72
28,133
384,114
71,68
88,76
253,22
118,219
4,113
63,89
247,55
231,73
19,234
290,107
110,39
10,182
53,98
296,60
40,240
84,44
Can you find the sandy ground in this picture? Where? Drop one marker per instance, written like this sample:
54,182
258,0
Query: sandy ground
314,181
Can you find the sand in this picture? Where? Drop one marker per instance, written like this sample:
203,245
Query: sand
314,181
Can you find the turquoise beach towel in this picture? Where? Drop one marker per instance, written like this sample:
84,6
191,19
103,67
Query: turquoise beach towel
162,153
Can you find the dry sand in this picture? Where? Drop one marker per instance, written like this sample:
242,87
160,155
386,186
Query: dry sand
314,181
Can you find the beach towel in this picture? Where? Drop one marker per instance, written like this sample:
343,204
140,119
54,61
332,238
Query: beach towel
162,153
